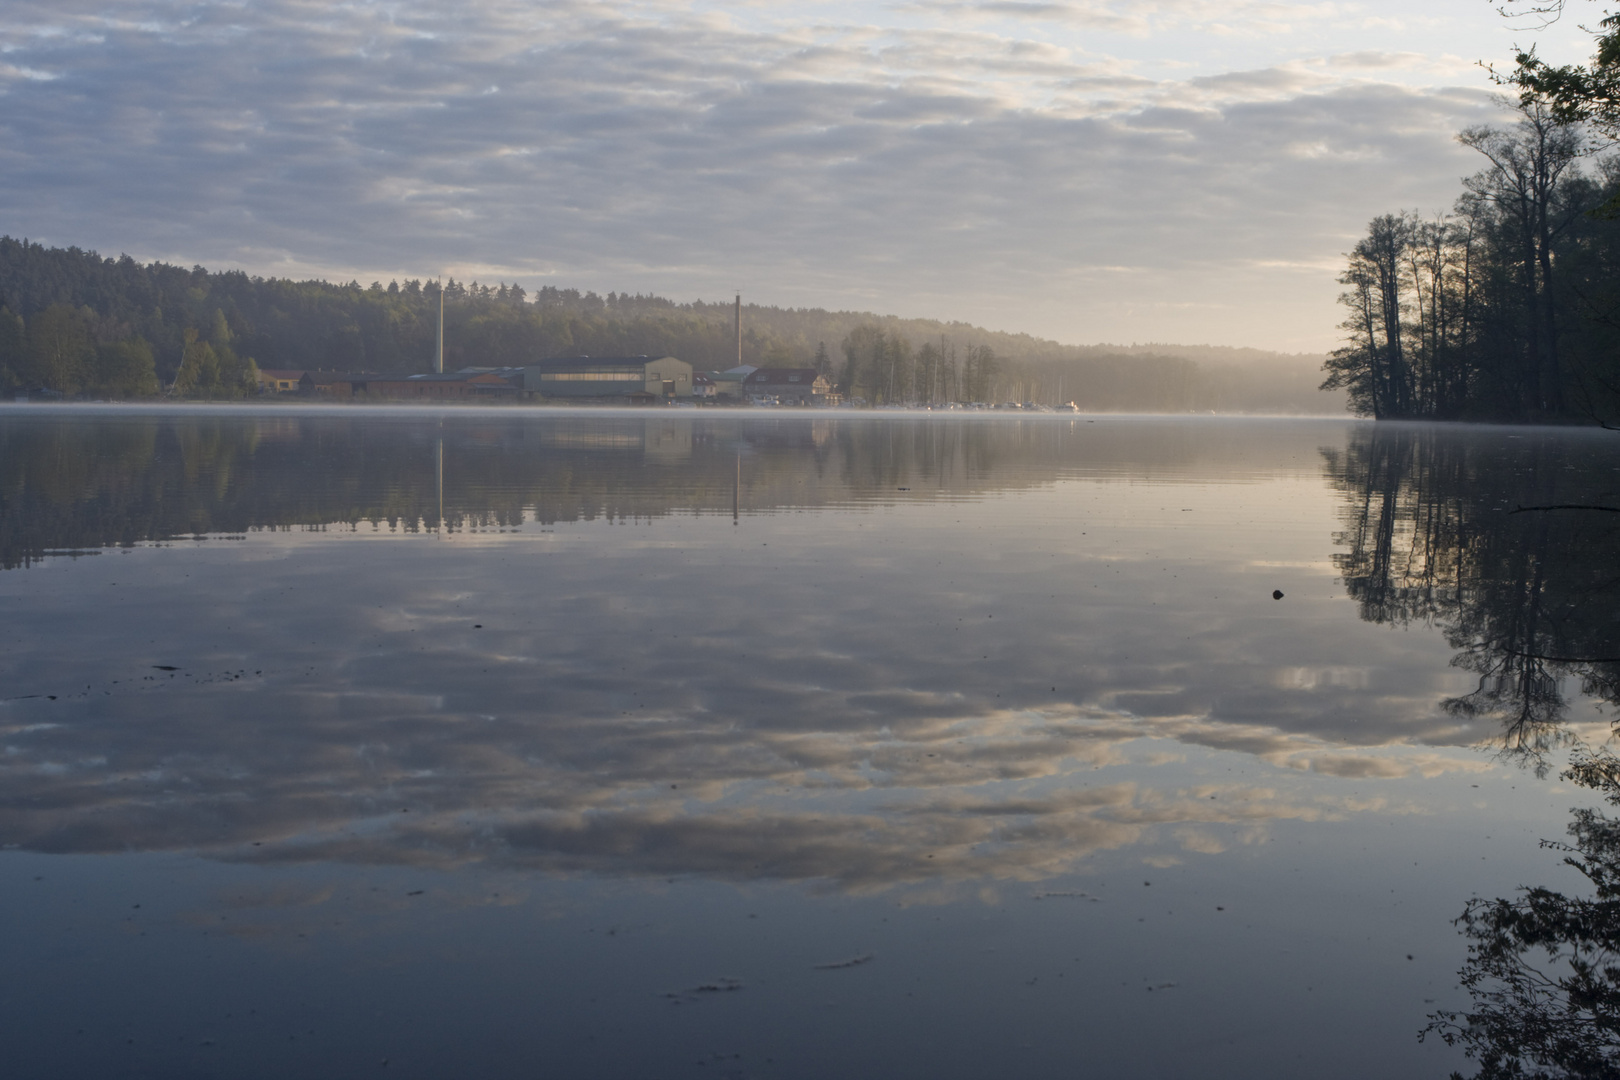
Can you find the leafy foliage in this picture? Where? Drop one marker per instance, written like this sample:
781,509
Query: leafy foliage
1574,93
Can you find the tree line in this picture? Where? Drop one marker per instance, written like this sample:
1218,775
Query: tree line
1516,320
883,368
74,322
1506,308
73,351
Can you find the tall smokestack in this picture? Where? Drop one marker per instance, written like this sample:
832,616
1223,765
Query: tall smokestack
739,329
438,355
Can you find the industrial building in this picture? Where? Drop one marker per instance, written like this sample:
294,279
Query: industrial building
626,379
790,386
633,378
483,383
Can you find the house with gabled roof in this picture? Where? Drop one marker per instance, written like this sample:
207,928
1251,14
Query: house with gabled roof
285,381
790,386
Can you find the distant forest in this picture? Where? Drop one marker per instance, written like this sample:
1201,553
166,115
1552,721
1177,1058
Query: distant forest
1505,309
80,324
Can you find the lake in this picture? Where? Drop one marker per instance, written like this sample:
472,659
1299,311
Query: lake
778,744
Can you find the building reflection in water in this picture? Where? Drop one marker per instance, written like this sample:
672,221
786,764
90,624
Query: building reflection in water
77,482
668,700
1000,673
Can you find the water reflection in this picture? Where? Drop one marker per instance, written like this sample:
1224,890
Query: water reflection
538,725
88,482
1543,970
994,650
85,481
1508,544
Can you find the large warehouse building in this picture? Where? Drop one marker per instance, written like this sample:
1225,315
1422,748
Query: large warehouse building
637,378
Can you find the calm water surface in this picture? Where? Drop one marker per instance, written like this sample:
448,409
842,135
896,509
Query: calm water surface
338,743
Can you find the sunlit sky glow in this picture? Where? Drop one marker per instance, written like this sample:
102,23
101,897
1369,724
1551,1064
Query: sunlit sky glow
1181,171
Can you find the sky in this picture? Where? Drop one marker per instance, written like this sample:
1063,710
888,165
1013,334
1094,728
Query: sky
1174,171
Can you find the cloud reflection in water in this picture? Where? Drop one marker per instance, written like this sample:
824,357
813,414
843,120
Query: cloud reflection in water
1075,652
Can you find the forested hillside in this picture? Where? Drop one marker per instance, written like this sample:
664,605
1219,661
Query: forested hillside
73,321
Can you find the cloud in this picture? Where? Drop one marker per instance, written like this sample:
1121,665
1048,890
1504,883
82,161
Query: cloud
930,169
1376,60
1124,19
1140,19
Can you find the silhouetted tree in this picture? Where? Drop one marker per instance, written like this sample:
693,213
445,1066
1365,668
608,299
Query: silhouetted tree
1573,93
1533,208
1508,308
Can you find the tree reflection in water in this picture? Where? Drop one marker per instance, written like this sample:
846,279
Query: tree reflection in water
1509,545
1544,968
1496,540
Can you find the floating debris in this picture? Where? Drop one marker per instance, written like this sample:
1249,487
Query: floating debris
1067,896
726,984
720,986
854,961
1276,594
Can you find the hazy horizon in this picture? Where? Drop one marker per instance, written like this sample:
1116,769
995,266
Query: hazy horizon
1201,352
1081,172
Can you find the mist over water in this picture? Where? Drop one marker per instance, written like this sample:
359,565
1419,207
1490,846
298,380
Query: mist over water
616,744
